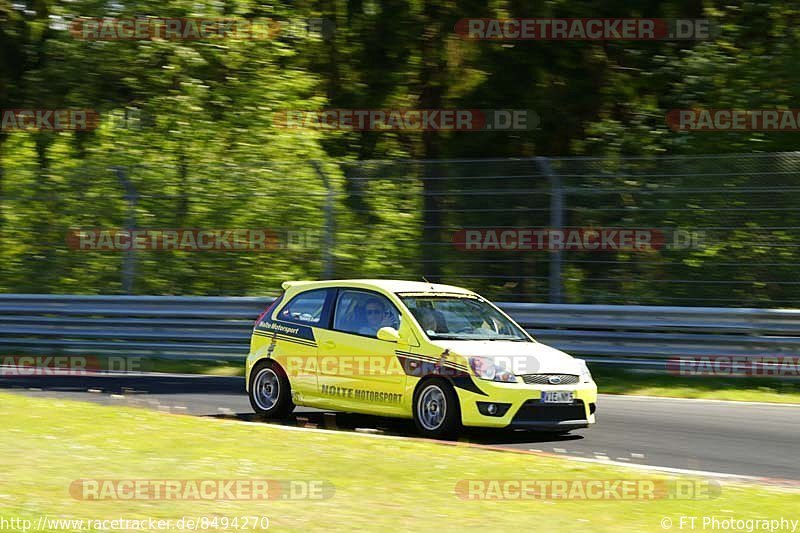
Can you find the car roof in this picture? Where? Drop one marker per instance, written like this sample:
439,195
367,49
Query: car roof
385,285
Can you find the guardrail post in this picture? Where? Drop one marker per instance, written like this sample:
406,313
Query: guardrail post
556,222
330,224
129,259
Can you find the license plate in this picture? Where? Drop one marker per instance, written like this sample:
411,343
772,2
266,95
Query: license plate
557,396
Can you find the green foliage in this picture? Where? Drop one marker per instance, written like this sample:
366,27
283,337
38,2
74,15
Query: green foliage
190,125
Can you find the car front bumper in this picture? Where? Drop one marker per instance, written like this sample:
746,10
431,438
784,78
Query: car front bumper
525,409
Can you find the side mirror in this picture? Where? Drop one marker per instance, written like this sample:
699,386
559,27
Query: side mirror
388,334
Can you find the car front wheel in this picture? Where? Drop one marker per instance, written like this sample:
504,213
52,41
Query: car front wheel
436,411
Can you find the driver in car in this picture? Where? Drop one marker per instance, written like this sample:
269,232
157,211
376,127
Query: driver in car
376,317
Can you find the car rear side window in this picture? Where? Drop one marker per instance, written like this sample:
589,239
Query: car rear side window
305,308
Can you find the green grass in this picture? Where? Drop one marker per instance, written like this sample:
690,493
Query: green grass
209,367
380,483
753,389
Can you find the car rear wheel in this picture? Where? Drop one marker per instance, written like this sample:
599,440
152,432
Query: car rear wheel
436,411
270,391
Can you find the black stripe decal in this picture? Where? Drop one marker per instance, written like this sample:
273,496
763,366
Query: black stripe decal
414,366
467,383
432,359
296,340
286,338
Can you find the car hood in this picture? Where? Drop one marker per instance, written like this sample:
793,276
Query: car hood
520,357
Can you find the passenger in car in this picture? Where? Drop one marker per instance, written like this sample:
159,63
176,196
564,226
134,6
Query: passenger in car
426,319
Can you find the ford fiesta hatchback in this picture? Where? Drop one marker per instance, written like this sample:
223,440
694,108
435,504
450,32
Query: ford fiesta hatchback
439,354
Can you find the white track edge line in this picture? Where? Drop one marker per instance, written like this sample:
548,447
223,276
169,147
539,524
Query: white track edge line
707,400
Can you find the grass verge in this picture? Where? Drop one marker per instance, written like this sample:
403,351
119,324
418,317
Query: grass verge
380,483
208,367
610,379
752,389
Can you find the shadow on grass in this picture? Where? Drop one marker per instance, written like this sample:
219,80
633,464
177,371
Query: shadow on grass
352,422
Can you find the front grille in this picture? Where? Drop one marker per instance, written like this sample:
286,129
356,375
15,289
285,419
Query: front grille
536,411
544,379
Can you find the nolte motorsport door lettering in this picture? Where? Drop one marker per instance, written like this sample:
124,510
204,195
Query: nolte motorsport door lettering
360,394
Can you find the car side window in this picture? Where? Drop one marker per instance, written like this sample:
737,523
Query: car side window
305,308
364,313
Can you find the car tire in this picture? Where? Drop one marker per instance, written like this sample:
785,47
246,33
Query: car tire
437,413
270,391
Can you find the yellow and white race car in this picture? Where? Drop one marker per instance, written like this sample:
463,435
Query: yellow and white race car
439,354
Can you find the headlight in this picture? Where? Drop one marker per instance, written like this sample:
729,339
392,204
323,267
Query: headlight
585,375
486,368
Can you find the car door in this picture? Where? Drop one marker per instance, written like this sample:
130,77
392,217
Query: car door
358,371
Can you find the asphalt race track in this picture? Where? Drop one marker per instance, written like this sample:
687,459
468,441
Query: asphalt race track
724,437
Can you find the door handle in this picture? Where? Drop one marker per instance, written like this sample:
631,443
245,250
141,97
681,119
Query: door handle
329,344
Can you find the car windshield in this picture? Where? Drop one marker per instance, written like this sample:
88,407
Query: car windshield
461,318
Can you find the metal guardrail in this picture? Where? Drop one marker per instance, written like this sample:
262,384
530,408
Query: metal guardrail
219,328
177,327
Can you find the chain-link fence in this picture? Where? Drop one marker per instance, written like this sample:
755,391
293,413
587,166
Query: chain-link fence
680,230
